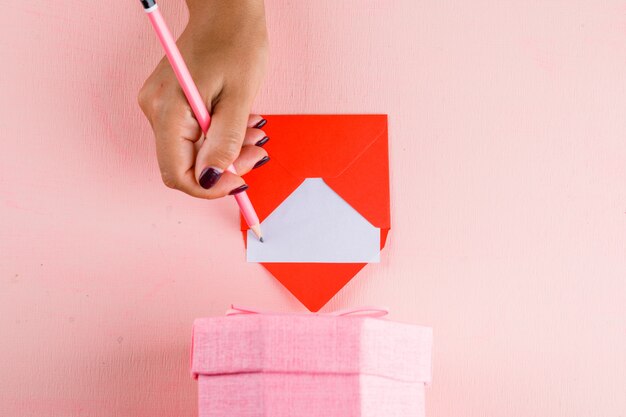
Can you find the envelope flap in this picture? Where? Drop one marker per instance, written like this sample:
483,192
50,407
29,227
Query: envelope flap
311,146
365,184
348,151
314,283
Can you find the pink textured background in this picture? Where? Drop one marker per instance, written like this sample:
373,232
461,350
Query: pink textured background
508,153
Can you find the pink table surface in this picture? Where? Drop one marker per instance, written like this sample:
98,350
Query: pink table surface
508,154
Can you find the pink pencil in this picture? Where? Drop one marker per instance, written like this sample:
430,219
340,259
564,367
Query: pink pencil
195,99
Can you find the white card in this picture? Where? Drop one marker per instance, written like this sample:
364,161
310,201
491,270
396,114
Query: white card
314,224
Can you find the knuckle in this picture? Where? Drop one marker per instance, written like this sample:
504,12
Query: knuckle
170,181
144,97
150,99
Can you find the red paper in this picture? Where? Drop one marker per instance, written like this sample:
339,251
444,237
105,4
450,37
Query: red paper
350,153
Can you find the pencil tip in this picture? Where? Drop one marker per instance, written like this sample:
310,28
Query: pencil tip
256,229
261,239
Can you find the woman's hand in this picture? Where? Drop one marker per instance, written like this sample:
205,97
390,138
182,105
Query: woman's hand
225,48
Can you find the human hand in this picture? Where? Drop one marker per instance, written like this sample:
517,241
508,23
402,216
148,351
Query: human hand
225,48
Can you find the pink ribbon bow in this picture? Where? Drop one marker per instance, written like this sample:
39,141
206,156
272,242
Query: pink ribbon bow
374,312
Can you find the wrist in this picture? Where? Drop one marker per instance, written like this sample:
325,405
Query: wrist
225,13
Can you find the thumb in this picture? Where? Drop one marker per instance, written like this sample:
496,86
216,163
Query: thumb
222,143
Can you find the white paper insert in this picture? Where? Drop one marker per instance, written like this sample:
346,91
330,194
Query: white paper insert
314,224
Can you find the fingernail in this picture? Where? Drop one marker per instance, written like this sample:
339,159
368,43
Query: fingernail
262,141
239,189
209,177
261,162
260,124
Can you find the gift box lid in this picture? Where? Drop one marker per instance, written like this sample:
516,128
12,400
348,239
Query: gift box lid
311,344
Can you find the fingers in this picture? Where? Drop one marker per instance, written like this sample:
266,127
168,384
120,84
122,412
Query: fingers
228,184
256,120
177,155
255,137
177,151
175,131
180,147
223,141
251,157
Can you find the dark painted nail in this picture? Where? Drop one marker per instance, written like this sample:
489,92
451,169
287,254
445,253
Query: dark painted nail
261,162
209,177
260,124
263,141
239,189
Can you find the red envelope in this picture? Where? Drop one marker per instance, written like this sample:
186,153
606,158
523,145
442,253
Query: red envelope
349,152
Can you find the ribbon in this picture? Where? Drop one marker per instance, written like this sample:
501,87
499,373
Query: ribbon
374,312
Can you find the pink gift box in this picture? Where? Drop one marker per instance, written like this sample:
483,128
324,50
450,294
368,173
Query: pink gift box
273,365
